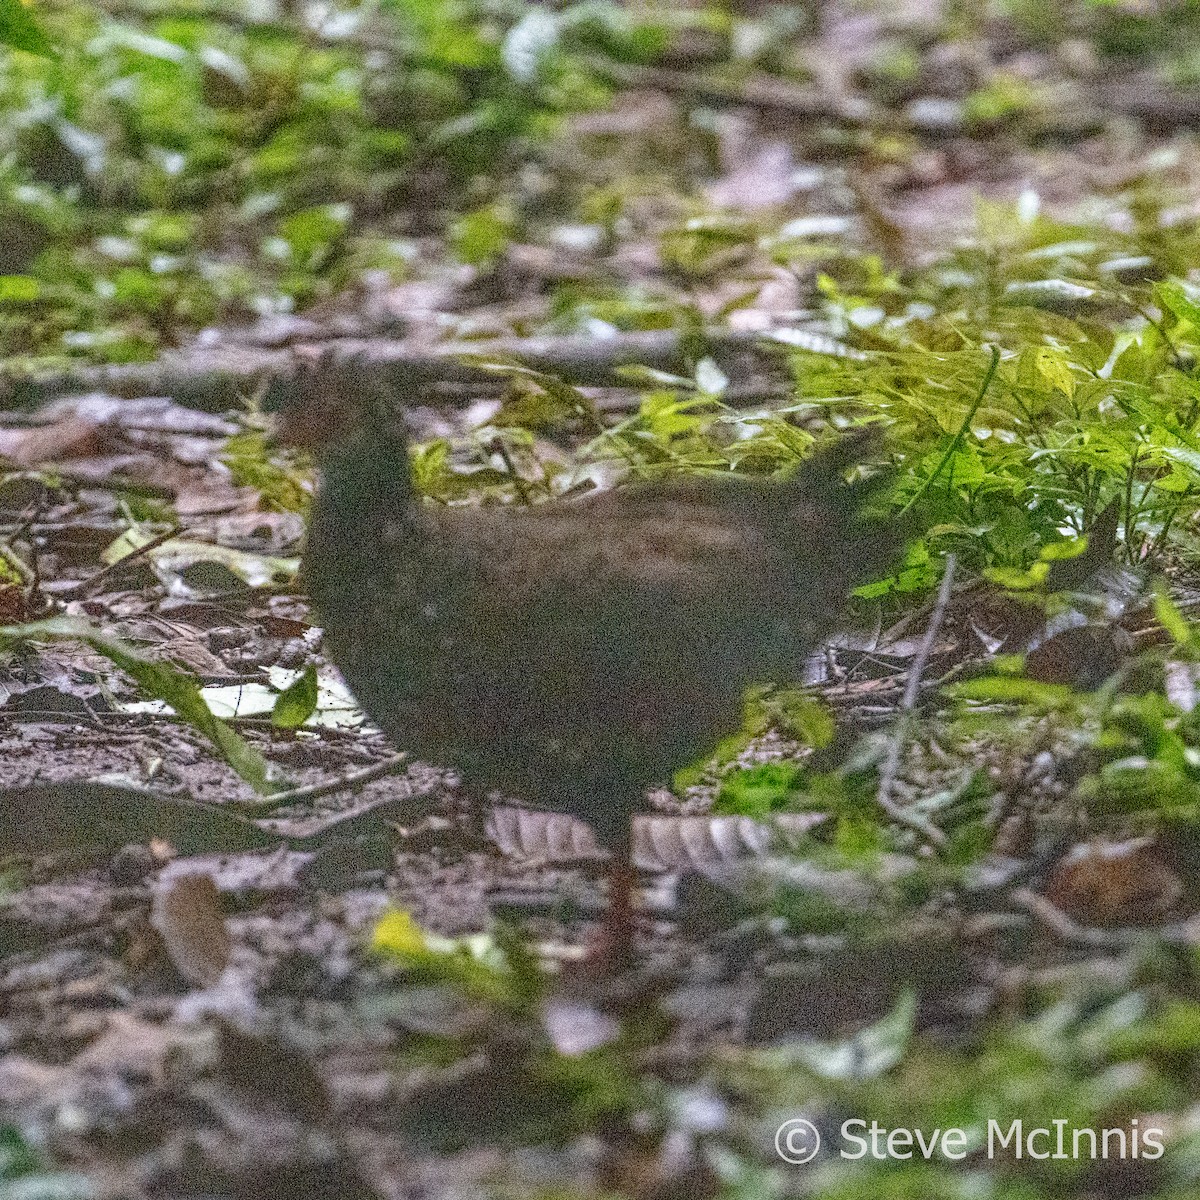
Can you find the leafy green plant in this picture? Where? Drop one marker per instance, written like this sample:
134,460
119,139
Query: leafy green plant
1003,98
533,1091
167,171
161,681
759,791
280,480
19,30
497,969
481,237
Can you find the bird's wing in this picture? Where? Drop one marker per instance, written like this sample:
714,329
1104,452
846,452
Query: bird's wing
627,640
637,588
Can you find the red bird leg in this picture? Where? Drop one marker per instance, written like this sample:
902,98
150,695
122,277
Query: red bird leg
612,949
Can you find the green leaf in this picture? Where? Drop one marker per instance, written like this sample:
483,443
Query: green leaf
479,238
1183,454
312,230
804,717
1016,579
161,681
18,289
430,467
759,791
1170,618
1065,550
490,968
666,416
1009,690
20,31
297,702
1177,301
1054,367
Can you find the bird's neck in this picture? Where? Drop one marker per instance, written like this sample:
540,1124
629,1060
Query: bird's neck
364,481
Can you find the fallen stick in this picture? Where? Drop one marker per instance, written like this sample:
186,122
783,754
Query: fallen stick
315,791
891,766
217,380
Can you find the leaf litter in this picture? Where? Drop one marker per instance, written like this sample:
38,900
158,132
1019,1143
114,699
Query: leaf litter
395,1025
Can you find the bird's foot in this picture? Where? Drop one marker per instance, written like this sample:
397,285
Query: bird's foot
611,950
618,978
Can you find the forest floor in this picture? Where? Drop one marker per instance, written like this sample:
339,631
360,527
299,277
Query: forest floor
902,909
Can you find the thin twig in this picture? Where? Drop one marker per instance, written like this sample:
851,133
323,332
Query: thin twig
520,483
314,791
87,586
1066,929
963,429
912,688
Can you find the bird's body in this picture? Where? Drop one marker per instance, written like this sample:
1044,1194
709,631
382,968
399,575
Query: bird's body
568,655
573,654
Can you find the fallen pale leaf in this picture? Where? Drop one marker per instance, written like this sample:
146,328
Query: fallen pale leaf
660,843
186,912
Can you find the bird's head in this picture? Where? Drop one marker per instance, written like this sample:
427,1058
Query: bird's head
334,409
348,418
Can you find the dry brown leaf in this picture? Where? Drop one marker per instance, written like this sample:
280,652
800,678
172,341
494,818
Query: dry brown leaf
545,836
1105,883
186,912
26,1084
206,497
759,173
660,843
133,1047
69,438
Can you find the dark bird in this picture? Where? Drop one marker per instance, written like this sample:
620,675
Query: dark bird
574,653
